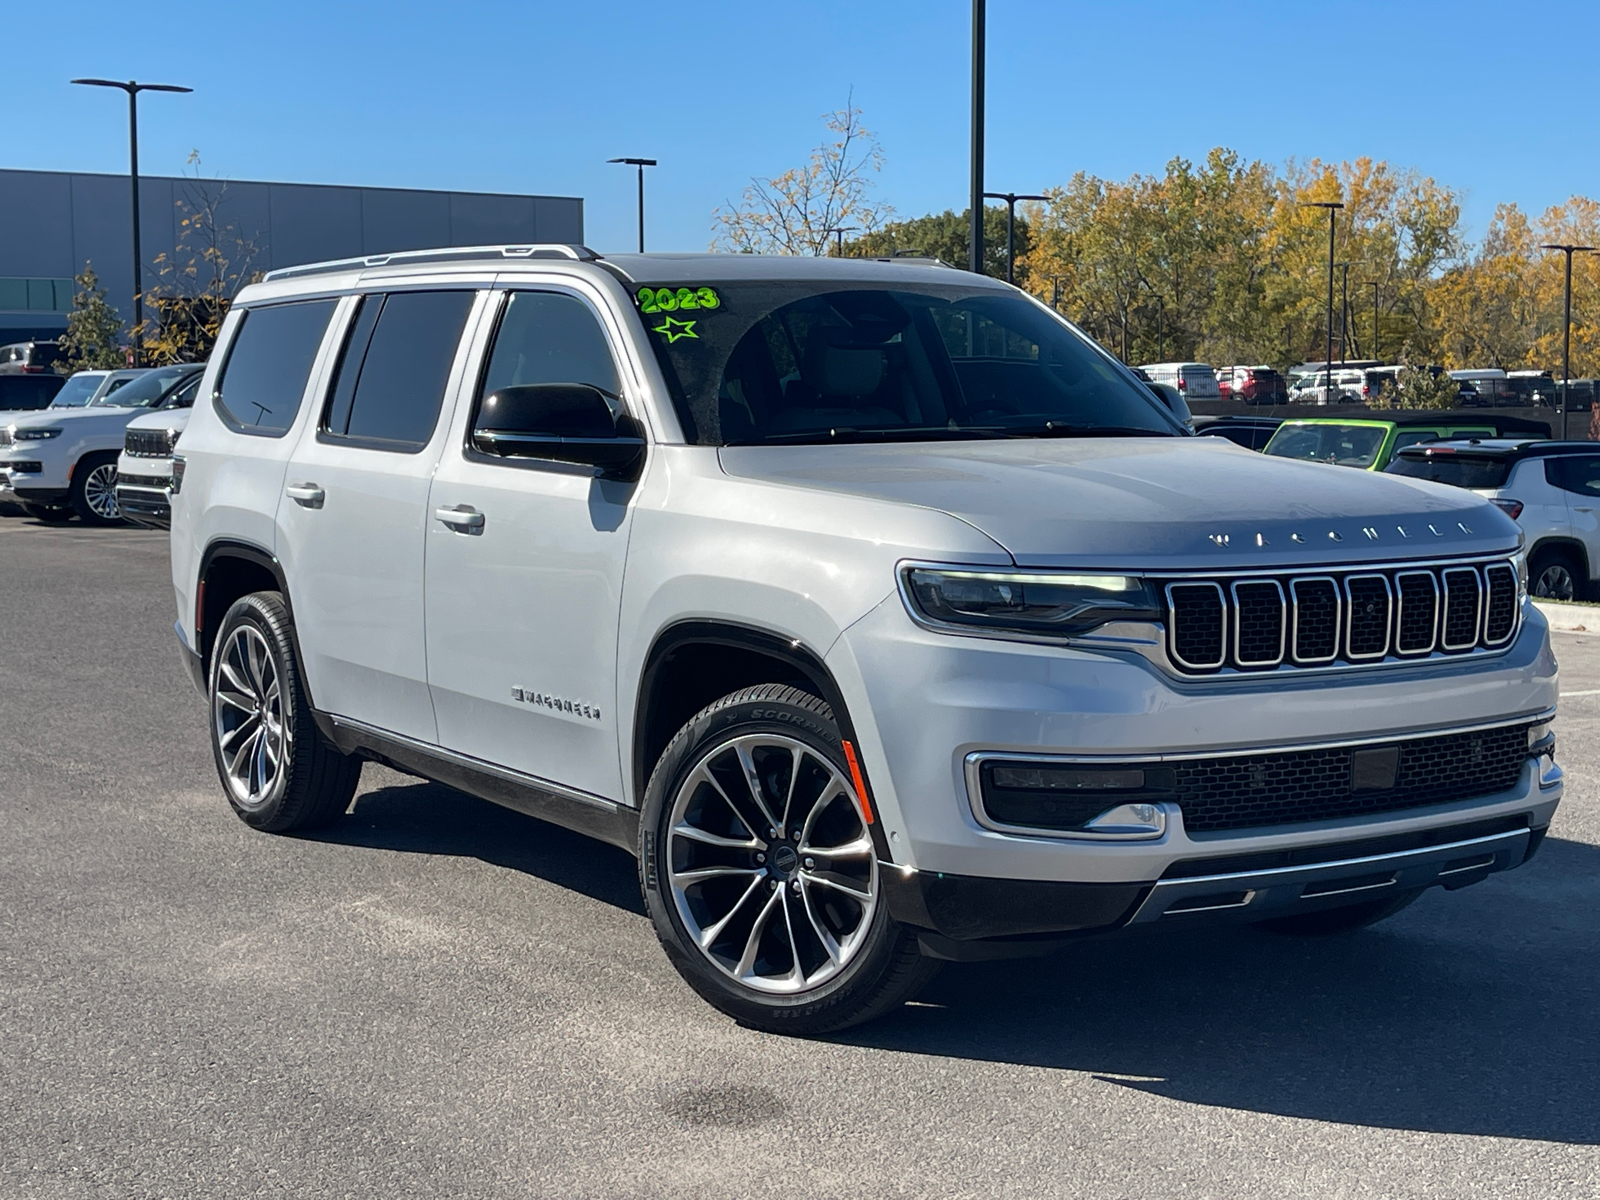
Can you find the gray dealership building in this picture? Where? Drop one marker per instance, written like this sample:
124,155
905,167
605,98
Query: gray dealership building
52,222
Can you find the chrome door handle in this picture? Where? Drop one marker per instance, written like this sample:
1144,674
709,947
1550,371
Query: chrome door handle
462,516
307,495
1581,508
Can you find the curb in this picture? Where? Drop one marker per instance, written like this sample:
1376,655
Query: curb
1570,618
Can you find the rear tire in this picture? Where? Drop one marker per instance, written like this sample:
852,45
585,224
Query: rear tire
1554,574
759,872
1332,921
50,513
278,771
94,490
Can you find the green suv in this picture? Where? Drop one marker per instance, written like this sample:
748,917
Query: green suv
1371,443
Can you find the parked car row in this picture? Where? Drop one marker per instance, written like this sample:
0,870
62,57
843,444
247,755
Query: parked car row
62,460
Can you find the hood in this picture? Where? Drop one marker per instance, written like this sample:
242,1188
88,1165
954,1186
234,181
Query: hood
77,419
163,418
1180,503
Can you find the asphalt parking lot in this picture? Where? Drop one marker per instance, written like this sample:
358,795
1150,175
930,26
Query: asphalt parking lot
441,998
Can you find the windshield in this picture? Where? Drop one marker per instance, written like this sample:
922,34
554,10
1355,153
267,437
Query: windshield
784,362
144,390
77,391
1347,445
1456,470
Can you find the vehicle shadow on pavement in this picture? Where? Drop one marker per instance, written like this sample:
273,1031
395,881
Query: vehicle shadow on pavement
429,818
1470,1016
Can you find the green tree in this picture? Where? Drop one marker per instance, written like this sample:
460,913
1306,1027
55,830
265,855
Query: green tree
945,236
94,330
1419,386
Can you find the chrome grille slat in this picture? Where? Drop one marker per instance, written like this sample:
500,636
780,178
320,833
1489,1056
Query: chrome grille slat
1268,621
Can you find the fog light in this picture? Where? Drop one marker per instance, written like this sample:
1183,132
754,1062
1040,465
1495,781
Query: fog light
1131,820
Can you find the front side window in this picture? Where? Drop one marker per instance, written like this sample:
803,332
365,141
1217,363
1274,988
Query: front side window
391,378
1346,445
550,337
269,364
790,362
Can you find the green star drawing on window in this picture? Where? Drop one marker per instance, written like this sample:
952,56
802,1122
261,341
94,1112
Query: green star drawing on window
677,329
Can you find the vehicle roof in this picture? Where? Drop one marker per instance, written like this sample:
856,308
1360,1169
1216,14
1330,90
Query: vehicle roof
654,268
1176,365
1500,448
1250,420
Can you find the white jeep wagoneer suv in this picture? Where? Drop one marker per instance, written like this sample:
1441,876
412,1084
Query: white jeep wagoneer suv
881,613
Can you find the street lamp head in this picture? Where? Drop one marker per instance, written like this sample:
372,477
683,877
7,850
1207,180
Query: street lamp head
634,162
1569,249
132,86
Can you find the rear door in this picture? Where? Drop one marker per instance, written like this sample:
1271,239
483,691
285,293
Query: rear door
1578,477
353,514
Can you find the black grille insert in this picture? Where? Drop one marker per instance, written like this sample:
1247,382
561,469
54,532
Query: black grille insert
1367,597
1501,616
1259,614
1199,618
1419,612
1251,791
146,443
1316,620
1461,609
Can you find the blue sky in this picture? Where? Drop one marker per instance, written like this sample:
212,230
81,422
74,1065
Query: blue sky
1497,100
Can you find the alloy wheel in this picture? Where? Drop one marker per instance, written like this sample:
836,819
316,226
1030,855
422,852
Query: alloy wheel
770,863
247,715
100,492
1555,582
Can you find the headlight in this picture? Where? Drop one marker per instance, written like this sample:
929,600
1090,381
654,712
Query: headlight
179,465
34,435
172,439
1541,739
1042,604
1520,562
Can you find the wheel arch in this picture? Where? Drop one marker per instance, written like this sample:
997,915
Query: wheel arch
693,663
1567,545
230,569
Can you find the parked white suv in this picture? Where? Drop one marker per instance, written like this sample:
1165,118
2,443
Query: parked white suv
144,471
63,459
1197,381
1551,489
881,613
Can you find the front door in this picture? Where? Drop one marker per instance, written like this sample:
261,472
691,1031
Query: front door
1578,477
524,571
354,510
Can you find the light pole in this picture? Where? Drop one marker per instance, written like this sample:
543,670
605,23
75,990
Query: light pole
641,163
1333,207
1566,326
1055,291
1011,199
133,88
1373,284
1161,328
839,231
975,228
1344,313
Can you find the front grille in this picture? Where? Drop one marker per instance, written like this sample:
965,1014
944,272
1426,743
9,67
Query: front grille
5,437
1249,791
147,443
1367,616
142,481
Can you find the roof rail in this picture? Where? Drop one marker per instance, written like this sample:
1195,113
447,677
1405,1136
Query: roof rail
463,254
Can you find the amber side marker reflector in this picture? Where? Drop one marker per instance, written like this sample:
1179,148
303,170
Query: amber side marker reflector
855,778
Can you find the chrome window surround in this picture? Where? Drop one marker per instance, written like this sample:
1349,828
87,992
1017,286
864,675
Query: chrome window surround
974,761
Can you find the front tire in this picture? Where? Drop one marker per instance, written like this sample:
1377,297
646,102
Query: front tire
94,490
278,771
758,869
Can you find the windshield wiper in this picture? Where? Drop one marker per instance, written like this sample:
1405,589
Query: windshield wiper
1056,429
848,433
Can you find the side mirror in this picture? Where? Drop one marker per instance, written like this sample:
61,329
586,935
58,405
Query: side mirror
559,422
1173,399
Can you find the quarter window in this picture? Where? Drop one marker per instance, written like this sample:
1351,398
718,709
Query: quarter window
268,365
396,363
1580,475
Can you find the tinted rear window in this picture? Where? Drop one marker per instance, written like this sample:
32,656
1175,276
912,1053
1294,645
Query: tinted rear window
1458,470
268,365
395,366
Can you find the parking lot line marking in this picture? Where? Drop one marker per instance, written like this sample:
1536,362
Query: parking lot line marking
1590,692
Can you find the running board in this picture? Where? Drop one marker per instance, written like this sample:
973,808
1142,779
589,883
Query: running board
592,816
